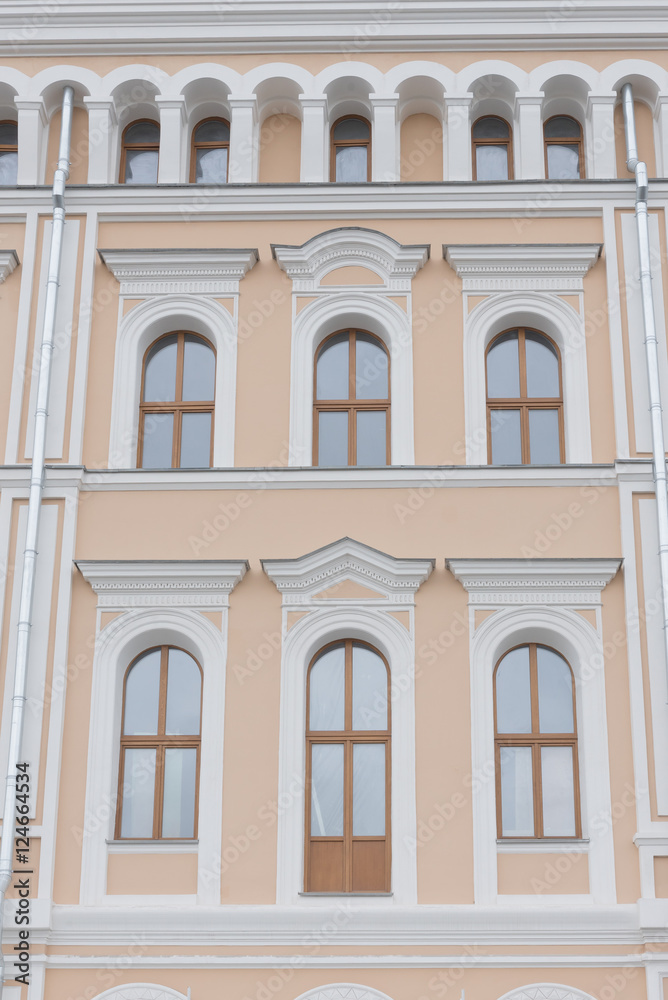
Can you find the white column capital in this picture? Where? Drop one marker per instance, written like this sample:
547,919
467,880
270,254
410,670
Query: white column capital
384,101
609,99
172,104
460,100
313,102
35,104
529,100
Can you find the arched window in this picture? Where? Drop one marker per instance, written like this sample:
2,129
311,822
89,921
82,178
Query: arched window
160,747
564,154
348,770
492,149
537,793
9,152
351,401
351,149
525,418
176,411
140,152
210,152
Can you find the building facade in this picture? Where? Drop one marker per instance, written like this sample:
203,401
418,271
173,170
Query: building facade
347,675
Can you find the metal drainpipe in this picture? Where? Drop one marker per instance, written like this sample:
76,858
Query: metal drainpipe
34,509
651,348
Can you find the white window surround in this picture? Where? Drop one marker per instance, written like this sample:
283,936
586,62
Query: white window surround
159,603
367,307
539,600
180,289
523,285
140,991
546,991
343,991
394,583
9,260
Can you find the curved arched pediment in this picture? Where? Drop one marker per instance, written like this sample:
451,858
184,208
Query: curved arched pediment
546,991
140,991
344,991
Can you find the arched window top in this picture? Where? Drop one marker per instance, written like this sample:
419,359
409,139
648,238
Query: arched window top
210,152
492,159
351,149
564,152
140,153
212,130
348,689
8,152
523,367
351,129
491,127
563,127
142,133
553,709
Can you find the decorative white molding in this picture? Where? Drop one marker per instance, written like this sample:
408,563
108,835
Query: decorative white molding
343,991
124,584
546,991
179,272
308,264
9,261
140,991
508,582
546,267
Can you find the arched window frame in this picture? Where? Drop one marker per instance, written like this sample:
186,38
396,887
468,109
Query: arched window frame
352,405
508,143
10,147
194,146
177,406
565,141
144,147
334,145
161,741
536,740
523,402
349,737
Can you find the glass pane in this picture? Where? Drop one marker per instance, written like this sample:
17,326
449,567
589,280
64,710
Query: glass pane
369,790
195,441
213,131
142,696
211,165
558,791
516,792
160,372
555,692
351,163
138,793
351,130
327,691
157,441
327,790
491,128
369,689
184,691
491,163
562,128
333,369
141,166
544,437
9,134
333,438
542,367
506,437
199,369
178,808
372,437
142,133
503,368
371,364
563,162
513,692
9,163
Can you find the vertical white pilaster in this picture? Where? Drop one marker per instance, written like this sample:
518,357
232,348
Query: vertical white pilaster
529,152
172,163
458,128
385,139
661,116
32,136
315,140
102,123
601,156
243,140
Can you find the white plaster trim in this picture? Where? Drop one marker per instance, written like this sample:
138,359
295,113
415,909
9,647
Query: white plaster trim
140,991
343,991
123,584
9,260
179,272
546,991
558,267
499,582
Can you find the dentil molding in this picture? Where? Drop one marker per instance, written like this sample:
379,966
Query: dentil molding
501,582
9,261
547,267
178,271
128,584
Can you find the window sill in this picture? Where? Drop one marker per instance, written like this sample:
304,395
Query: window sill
543,846
345,895
152,846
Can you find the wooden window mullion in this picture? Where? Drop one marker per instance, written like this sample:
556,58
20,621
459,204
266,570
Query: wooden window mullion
348,815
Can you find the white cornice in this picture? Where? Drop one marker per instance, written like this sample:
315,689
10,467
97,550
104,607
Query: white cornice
124,584
9,260
177,271
522,267
308,264
346,559
499,582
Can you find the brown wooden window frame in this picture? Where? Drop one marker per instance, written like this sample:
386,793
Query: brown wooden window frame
10,147
524,403
348,737
177,406
340,143
536,740
508,143
565,142
194,146
160,742
351,405
145,147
